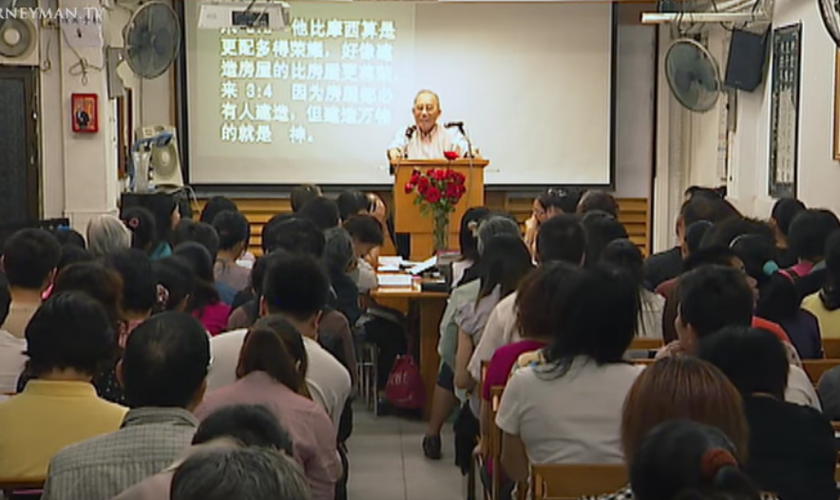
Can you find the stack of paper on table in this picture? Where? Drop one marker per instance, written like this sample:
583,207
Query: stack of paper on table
394,280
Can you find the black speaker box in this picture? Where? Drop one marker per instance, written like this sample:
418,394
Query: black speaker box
747,60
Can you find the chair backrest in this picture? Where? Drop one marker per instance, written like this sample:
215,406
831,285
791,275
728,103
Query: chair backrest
21,488
646,344
572,481
494,441
816,367
831,348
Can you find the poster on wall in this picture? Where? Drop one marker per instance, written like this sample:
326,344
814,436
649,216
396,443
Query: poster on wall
784,110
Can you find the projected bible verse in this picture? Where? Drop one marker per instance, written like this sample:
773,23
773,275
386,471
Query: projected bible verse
280,86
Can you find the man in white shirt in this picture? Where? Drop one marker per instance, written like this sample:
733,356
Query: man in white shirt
561,238
426,140
296,287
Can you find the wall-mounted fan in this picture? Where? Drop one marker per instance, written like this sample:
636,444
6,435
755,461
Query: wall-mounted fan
692,74
164,159
152,39
830,12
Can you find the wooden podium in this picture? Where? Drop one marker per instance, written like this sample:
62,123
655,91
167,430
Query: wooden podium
407,216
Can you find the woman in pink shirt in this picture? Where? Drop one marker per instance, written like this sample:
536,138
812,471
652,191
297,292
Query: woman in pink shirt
270,376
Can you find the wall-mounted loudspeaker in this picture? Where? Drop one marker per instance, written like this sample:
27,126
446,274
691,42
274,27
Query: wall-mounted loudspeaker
747,60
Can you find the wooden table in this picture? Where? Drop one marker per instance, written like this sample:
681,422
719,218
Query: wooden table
430,306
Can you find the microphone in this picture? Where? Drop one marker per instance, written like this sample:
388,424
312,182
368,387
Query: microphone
409,131
459,125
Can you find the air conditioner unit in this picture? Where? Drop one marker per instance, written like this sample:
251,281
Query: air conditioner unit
261,14
19,40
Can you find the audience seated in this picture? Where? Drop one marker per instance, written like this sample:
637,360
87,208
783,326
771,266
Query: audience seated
163,372
681,460
246,473
29,261
71,254
338,260
67,236
214,207
444,394
303,194
367,235
778,300
666,265
781,217
624,254
268,375
67,339
296,287
791,450
551,202
139,291
595,199
807,238
601,229
144,233
106,234
680,388
322,211
234,233
231,427
713,297
468,245
825,304
546,412
561,238
175,282
205,303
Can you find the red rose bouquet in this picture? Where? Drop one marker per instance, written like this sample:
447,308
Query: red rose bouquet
438,192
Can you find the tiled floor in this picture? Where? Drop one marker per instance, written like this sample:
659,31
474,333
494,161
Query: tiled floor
387,462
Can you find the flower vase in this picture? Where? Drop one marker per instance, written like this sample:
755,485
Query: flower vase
441,231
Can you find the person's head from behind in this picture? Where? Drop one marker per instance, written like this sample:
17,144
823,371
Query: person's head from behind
248,425
302,194
595,199
233,231
201,263
293,345
601,228
758,253
71,254
683,387
67,236
322,211
625,255
711,298
106,234
682,460
69,336
554,201
175,283
296,286
782,215
165,362
264,350
139,287
99,282
709,208
199,232
338,250
713,256
30,258
543,297
809,232
240,473
141,222
506,261
214,207
292,234
351,203
495,225
694,234
702,191
467,233
562,238
366,233
755,360
732,228
585,329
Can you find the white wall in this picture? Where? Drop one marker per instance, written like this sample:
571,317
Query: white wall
818,174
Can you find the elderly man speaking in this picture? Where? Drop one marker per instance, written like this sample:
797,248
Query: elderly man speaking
426,139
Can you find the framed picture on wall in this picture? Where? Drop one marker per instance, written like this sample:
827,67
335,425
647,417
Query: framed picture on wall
784,110
836,141
85,113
